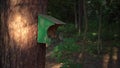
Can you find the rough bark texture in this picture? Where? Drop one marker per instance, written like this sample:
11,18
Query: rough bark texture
18,44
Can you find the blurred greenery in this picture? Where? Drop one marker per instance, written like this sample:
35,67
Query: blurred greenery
71,42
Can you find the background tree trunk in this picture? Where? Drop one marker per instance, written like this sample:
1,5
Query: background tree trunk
84,46
80,14
76,14
99,45
78,10
19,47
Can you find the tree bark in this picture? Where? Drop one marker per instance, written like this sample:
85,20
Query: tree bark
76,14
19,45
80,14
85,32
99,46
78,10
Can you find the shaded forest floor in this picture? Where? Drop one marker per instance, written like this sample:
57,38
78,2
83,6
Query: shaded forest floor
90,61
50,62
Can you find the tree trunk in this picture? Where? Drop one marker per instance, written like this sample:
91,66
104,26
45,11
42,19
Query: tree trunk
80,15
85,32
76,14
19,45
78,10
99,45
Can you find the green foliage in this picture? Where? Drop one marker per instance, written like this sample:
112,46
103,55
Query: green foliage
64,50
92,48
68,30
110,25
72,66
69,44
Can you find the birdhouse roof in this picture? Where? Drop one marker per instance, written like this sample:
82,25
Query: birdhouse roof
52,19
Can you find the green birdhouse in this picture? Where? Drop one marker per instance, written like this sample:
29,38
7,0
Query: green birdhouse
47,26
